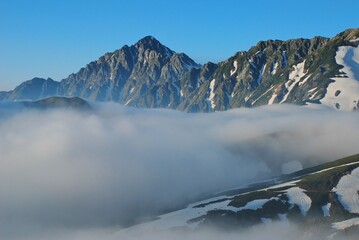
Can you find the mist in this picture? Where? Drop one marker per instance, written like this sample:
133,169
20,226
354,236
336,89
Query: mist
84,175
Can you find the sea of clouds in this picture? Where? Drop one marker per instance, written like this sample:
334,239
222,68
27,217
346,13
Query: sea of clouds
67,174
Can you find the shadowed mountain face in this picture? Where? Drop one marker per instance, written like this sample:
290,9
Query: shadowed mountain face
59,102
34,89
150,75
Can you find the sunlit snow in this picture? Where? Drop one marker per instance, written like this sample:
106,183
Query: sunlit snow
348,86
297,197
347,191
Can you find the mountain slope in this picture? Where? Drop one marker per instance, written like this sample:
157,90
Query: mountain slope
59,102
34,89
129,73
323,199
150,75
299,71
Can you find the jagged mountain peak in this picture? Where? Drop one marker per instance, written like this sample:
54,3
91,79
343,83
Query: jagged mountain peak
128,73
146,44
149,74
349,36
185,60
151,43
34,89
148,39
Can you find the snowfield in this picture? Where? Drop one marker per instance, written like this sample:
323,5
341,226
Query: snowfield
297,197
294,78
271,100
347,191
346,86
255,204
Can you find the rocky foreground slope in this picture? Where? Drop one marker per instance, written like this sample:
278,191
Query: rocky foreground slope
150,75
323,200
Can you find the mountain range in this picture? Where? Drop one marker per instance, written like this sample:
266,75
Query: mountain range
150,75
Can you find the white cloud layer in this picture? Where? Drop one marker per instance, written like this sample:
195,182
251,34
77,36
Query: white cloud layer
64,171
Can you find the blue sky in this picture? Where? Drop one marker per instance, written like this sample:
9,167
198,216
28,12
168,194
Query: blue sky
48,38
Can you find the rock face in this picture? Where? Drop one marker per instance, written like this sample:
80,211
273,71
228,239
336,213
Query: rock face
131,75
34,89
150,75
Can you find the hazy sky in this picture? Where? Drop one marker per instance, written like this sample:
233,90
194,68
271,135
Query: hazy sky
55,38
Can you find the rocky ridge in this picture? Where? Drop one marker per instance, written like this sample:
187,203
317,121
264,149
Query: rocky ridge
150,75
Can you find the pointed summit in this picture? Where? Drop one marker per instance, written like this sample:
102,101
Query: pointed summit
148,40
151,43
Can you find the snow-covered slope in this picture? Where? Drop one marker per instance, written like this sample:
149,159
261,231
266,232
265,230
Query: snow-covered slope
343,93
328,192
347,191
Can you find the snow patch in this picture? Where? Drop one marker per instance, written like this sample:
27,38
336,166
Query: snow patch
347,191
275,68
287,184
345,224
285,59
235,65
181,217
271,100
326,209
246,98
255,204
312,90
270,89
261,71
304,80
207,201
297,197
354,40
212,94
128,102
233,94
328,169
313,95
294,78
348,86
